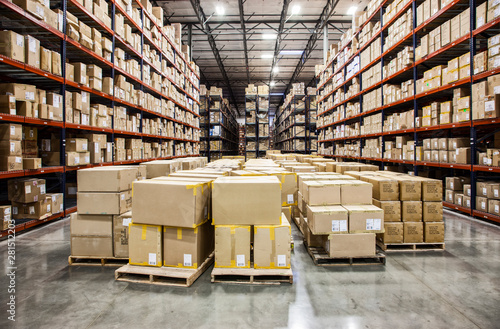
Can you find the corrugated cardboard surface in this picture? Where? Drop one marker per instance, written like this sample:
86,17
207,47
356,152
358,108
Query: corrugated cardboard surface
271,246
288,186
413,232
355,192
246,200
94,246
317,193
393,233
232,246
91,225
103,203
432,211
106,179
384,189
351,245
145,245
327,219
161,168
434,232
187,247
365,218
121,234
392,210
171,203
411,211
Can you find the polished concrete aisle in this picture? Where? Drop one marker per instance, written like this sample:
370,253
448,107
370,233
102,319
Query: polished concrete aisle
458,288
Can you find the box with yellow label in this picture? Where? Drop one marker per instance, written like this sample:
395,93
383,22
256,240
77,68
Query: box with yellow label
272,245
145,245
232,246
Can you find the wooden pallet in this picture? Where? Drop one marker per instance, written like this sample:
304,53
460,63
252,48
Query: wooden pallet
96,261
321,258
410,246
166,276
252,276
296,220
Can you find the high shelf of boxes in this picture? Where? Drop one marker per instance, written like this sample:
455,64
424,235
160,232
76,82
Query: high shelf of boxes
414,83
219,129
257,137
295,121
109,84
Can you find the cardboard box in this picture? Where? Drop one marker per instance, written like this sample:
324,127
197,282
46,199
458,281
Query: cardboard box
106,179
355,192
450,196
32,163
322,192
494,207
189,208
232,246
5,217
76,145
384,189
393,233
145,245
350,245
12,45
246,200
392,210
411,211
57,202
466,201
101,203
413,232
481,204
327,219
32,51
10,148
11,131
410,189
26,190
463,155
434,232
91,225
187,247
121,225
10,163
160,168
365,219
272,245
33,210
432,189
432,211
92,246
288,187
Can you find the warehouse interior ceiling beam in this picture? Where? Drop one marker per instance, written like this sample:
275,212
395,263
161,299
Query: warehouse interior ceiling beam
245,47
284,13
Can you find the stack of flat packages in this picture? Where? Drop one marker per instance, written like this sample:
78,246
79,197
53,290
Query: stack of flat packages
170,223
340,216
413,209
245,204
104,201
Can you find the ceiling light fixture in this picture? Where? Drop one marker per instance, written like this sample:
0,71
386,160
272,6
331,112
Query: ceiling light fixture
219,10
295,11
269,36
272,83
352,10
291,52
276,69
266,56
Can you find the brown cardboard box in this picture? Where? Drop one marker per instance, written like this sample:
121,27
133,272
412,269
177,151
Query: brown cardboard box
482,204
463,155
288,187
26,190
8,104
272,245
384,189
393,233
189,208
5,217
76,145
392,210
432,189
409,188
350,245
11,131
160,168
104,203
413,232
365,219
327,219
32,163
106,179
287,211
459,199
32,210
456,183
187,247
450,196
311,239
411,211
321,193
355,192
91,225
12,45
10,148
10,163
434,232
466,201
32,51
232,246
21,92
46,59
121,225
145,245
57,202
246,200
432,211
93,246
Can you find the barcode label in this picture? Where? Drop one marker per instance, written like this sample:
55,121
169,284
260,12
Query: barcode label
188,260
281,260
240,260
152,259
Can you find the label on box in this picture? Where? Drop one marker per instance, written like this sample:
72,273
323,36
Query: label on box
77,159
127,221
96,148
240,260
373,224
27,189
19,159
495,193
87,159
188,260
468,203
485,191
122,196
41,13
12,147
12,130
152,258
7,211
14,210
35,198
32,44
281,260
339,225
61,208
289,198
489,106
30,96
31,210
483,205
54,198
108,147
42,189
48,208
20,40
497,210
51,115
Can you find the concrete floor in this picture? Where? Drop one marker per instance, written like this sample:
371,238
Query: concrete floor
458,288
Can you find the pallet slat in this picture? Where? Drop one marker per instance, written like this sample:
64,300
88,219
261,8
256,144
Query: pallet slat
252,276
166,276
96,261
321,258
411,246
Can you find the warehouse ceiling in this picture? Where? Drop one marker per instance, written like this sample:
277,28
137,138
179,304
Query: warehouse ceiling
237,42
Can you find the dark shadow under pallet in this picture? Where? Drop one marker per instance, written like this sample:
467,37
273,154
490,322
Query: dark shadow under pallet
321,258
96,261
388,247
252,276
166,276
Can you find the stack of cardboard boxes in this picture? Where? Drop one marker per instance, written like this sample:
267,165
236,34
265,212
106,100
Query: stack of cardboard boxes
246,212
446,150
104,201
10,147
6,217
458,191
29,199
487,197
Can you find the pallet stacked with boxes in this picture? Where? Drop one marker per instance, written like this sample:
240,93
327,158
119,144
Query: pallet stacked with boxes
130,80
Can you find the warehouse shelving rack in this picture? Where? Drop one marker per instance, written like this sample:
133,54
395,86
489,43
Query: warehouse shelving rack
476,130
311,114
223,129
259,111
262,119
16,19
